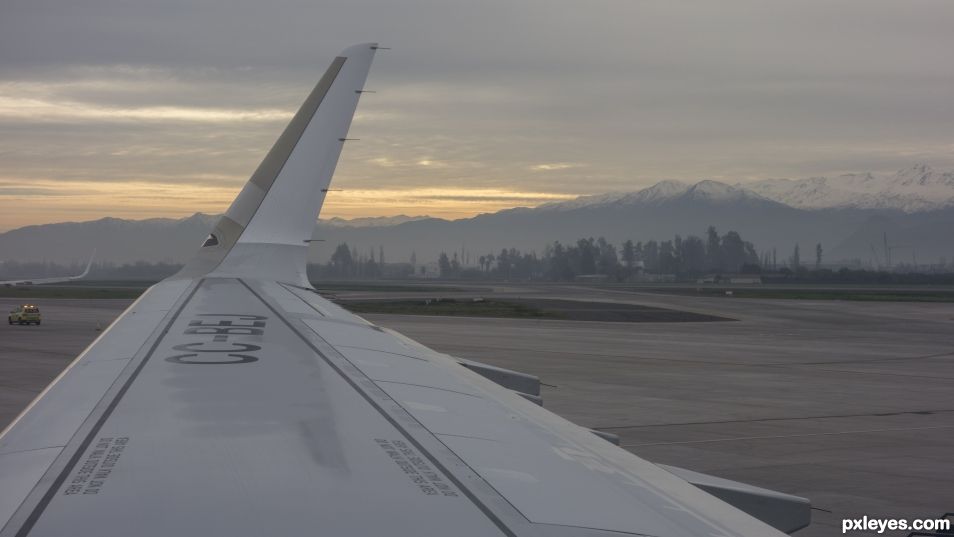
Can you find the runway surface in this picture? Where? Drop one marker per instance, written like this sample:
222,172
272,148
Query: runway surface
847,403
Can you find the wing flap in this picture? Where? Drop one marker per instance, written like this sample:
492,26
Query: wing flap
785,512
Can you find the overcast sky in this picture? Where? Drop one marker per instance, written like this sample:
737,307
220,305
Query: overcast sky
139,109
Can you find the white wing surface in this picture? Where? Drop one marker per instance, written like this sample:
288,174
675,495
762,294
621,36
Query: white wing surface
231,399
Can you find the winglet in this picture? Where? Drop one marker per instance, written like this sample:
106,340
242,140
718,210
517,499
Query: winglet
56,279
88,265
264,232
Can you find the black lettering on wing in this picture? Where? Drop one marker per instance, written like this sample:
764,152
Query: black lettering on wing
189,359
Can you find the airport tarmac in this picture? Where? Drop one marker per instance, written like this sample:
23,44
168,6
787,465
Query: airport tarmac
846,403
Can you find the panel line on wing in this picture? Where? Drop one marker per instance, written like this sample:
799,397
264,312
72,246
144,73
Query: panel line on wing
379,350
29,450
309,304
425,386
78,453
395,423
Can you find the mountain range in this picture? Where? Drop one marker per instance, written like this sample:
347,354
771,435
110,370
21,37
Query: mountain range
848,214
919,188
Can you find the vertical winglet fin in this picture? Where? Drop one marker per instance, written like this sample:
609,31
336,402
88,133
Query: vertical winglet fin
264,232
88,265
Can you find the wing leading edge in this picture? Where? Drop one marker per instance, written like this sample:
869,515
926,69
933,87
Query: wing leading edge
232,399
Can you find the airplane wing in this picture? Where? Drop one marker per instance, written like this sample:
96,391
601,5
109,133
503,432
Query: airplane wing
232,399
58,279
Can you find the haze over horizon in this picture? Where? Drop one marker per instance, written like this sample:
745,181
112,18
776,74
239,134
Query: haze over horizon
132,110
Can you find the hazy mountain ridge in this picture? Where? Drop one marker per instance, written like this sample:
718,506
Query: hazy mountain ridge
372,221
846,230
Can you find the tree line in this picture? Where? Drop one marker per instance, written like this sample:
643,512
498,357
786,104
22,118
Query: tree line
683,257
691,255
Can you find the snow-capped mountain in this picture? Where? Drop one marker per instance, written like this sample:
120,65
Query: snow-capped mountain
717,192
662,193
915,189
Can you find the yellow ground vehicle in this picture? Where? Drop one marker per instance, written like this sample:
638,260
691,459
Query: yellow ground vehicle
25,314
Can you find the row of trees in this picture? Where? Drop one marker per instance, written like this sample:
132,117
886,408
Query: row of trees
347,262
691,255
686,256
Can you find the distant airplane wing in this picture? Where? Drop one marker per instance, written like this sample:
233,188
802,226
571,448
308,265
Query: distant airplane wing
58,279
231,399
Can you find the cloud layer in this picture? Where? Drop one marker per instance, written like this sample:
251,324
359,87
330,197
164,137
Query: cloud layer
113,106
